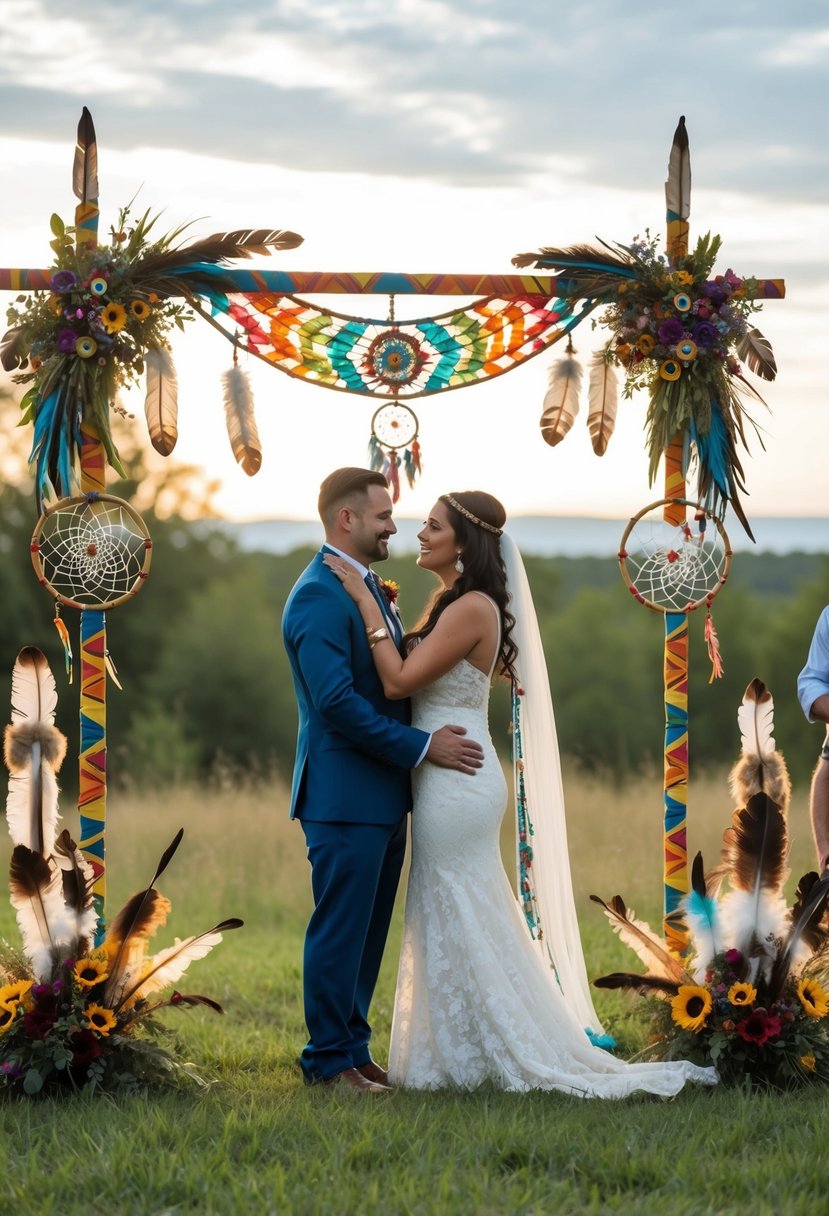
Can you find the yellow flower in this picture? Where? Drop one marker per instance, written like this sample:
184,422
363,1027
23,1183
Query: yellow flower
622,351
14,993
646,344
90,971
100,1019
742,994
7,1015
691,1006
113,318
140,309
807,1063
669,369
813,998
683,278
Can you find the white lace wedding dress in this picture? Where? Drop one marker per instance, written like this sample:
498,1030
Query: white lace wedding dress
475,999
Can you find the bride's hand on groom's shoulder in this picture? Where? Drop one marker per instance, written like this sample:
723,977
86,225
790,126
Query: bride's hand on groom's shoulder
450,748
348,575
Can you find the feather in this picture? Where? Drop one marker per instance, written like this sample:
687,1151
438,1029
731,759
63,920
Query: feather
13,348
193,998
561,401
139,917
755,351
805,928
603,400
161,404
241,424
756,845
701,918
649,948
37,898
753,913
645,985
583,261
34,695
169,965
85,166
678,183
33,749
760,766
77,879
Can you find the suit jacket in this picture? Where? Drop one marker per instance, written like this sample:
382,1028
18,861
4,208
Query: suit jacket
355,748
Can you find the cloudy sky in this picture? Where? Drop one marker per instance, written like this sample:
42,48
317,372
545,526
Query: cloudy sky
443,135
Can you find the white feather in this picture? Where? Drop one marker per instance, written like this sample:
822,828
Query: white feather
34,695
241,423
170,964
44,923
751,924
755,718
161,403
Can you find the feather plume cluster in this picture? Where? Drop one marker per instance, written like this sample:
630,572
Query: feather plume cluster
561,401
752,993
73,1013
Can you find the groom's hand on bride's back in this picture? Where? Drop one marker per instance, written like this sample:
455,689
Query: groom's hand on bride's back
450,748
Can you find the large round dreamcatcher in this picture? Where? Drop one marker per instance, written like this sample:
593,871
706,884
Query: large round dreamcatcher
677,568
91,552
394,427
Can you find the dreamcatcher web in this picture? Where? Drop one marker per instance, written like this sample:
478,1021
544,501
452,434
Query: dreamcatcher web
92,552
674,567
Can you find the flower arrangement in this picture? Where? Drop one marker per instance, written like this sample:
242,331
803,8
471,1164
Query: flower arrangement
73,1014
105,322
677,330
752,995
680,331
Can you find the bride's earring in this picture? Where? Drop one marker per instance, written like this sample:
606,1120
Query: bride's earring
459,563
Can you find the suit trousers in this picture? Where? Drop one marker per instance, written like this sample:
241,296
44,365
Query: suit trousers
355,870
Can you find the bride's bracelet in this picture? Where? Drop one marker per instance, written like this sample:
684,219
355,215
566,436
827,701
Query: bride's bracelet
376,635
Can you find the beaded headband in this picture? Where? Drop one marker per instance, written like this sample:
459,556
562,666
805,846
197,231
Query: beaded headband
453,502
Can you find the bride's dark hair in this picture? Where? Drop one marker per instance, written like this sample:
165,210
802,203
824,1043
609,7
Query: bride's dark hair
483,567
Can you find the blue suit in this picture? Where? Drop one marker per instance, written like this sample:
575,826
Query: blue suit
351,791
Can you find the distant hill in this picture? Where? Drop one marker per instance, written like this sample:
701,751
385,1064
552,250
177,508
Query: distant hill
545,535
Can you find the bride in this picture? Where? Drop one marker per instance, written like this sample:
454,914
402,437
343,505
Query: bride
479,998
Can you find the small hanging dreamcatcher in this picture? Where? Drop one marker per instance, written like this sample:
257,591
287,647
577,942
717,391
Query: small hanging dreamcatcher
395,427
677,568
92,552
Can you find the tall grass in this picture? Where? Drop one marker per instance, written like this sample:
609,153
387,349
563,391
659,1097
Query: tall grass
257,1141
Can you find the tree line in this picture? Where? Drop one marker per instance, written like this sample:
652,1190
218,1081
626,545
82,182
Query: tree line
207,688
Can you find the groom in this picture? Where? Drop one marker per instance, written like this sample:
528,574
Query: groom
351,788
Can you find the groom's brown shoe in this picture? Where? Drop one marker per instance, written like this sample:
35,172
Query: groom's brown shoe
356,1079
373,1072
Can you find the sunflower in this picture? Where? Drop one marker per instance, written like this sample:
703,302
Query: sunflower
691,1006
7,1015
808,1063
742,994
140,309
113,318
90,971
100,1019
813,998
14,993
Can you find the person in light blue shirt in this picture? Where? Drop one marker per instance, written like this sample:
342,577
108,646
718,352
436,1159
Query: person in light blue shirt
813,694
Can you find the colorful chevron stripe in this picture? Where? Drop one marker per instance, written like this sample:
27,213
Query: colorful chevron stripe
92,758
676,774
483,340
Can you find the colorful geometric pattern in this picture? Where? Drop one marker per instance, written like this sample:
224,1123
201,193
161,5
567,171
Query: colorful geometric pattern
676,774
92,787
451,350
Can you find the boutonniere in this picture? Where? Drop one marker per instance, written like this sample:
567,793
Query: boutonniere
390,590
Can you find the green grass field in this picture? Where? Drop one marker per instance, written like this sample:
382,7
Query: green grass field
257,1141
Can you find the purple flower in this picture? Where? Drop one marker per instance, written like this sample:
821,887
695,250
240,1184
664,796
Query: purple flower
10,1069
704,333
670,332
715,292
63,281
733,956
66,340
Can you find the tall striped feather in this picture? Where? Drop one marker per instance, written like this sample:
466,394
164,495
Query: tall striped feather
678,183
603,401
161,402
561,401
